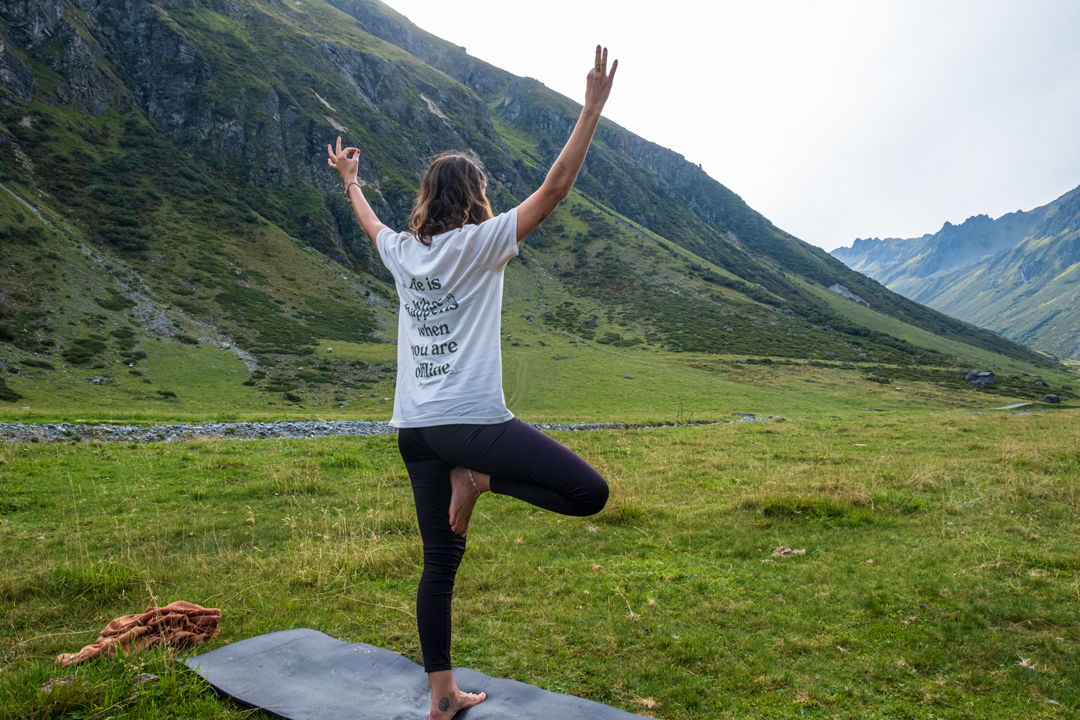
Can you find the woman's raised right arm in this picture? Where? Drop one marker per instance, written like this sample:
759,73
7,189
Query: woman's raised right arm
561,176
347,162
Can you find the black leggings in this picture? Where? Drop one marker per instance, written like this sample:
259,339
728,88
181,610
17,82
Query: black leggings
522,462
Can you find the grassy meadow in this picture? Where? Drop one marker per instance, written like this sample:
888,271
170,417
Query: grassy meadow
940,575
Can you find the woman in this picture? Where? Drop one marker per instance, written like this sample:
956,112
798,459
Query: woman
455,434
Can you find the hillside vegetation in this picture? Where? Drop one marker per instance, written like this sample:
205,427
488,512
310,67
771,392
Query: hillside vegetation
165,203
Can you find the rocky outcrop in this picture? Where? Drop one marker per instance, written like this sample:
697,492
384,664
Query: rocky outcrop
16,78
51,34
383,22
844,292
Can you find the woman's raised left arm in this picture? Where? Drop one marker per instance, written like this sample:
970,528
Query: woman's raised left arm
347,162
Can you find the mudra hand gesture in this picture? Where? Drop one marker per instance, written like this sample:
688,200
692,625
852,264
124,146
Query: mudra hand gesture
346,161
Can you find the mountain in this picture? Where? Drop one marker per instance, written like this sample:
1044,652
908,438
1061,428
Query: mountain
163,184
1015,275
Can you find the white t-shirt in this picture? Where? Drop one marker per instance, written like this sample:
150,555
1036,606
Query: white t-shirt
449,357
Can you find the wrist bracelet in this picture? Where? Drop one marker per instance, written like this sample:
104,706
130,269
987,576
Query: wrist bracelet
350,184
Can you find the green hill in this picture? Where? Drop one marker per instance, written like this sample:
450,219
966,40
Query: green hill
169,225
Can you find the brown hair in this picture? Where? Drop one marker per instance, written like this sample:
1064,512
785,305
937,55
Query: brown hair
451,196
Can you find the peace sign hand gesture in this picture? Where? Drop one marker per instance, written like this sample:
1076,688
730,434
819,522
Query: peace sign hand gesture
598,81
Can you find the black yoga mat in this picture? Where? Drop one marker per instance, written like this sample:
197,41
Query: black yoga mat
305,675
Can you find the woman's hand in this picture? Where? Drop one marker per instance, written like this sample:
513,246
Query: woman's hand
346,161
598,81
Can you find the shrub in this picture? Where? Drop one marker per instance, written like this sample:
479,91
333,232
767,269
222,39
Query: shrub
83,350
6,393
115,302
21,235
316,377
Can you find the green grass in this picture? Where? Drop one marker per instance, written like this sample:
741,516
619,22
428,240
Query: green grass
861,315
208,383
939,580
548,376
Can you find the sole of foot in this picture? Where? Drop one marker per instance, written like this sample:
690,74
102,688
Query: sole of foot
463,496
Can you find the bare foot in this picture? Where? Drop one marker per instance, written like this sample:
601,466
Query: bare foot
463,495
448,706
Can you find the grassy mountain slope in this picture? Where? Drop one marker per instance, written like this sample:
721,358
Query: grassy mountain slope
165,196
1015,275
1028,292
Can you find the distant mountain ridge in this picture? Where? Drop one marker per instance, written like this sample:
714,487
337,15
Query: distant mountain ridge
1016,275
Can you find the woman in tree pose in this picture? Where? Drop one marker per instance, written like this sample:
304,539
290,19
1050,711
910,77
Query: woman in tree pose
455,434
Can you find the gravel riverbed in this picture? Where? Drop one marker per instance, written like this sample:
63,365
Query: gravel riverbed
71,432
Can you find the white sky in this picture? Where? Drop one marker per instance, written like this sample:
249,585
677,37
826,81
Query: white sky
835,119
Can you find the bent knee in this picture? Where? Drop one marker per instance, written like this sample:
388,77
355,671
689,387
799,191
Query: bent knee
596,498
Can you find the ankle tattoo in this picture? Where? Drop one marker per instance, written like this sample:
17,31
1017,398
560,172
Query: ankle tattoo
444,704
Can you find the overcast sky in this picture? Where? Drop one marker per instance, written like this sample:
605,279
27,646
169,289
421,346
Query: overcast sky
835,119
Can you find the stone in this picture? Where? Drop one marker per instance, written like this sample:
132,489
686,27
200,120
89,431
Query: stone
1051,398
56,682
1066,387
785,551
628,377
844,292
99,380
143,679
